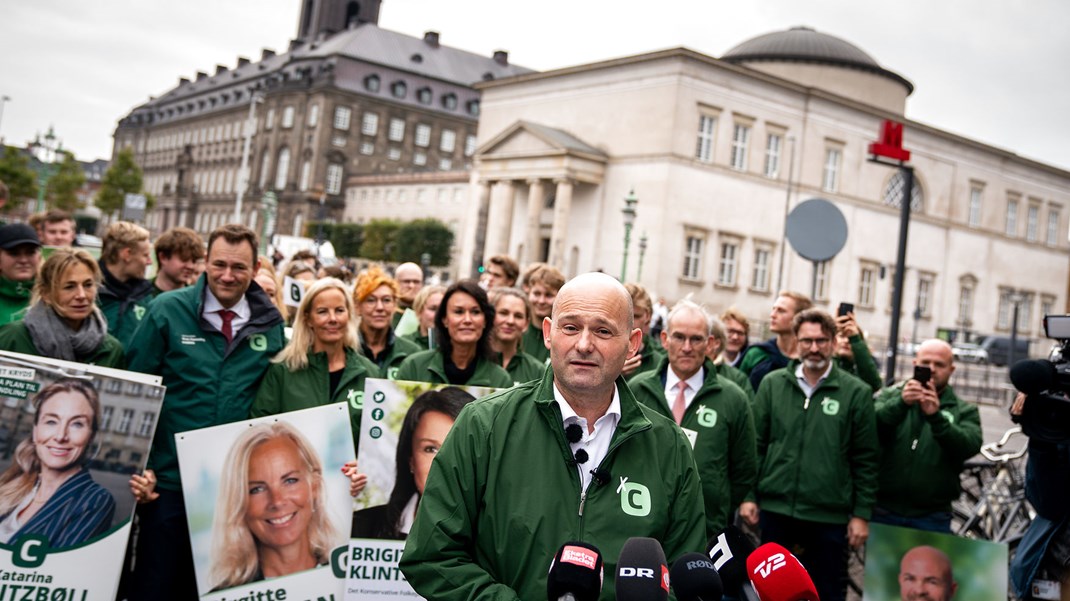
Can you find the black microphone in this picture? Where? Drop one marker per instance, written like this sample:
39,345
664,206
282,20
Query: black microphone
574,433
1033,376
601,475
642,572
695,579
728,551
575,573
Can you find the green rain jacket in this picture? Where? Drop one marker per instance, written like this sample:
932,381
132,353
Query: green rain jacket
124,311
522,367
504,494
399,349
922,455
863,366
15,337
208,381
737,377
724,445
283,390
428,366
14,298
534,344
817,456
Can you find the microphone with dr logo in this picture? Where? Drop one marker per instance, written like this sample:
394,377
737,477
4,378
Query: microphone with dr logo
642,572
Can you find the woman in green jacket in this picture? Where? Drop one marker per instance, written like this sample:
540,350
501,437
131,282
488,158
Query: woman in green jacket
63,321
512,314
320,365
426,305
463,324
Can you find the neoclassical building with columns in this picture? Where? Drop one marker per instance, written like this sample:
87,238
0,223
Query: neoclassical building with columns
719,150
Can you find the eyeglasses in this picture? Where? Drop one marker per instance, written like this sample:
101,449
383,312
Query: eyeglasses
681,339
808,342
371,301
736,333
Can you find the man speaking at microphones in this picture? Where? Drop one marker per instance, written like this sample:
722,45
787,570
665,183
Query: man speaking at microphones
571,456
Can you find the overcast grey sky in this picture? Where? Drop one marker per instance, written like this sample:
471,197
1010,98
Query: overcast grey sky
992,70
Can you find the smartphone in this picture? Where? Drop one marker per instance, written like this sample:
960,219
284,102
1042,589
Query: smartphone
922,374
844,309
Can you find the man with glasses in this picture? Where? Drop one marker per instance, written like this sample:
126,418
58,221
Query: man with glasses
713,412
737,331
817,457
410,279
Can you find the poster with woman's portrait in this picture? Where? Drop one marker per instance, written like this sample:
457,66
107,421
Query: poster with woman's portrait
903,563
402,427
71,436
268,505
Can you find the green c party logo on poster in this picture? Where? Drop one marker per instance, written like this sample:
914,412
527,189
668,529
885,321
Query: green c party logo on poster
30,551
355,398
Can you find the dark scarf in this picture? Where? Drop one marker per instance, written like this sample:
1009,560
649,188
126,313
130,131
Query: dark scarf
54,338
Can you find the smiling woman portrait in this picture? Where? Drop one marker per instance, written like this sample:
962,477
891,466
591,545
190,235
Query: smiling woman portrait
47,490
271,517
63,320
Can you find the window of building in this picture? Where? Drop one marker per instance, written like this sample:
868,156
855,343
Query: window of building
281,168
469,145
419,158
445,164
287,116
740,139
144,429
1003,317
1047,303
924,299
265,164
269,122
704,147
106,413
124,421
393,153
313,115
760,276
1012,217
396,133
306,175
367,148
821,290
369,125
965,318
341,117
398,89
448,140
1053,226
728,263
371,83
867,285
423,135
693,244
976,197
423,95
1032,223
893,193
1025,312
772,155
334,178
830,179
338,141
472,107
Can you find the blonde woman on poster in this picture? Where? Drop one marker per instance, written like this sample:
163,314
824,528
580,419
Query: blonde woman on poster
271,518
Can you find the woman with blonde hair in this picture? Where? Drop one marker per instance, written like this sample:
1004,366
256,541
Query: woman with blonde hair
512,314
426,305
268,281
321,364
47,491
63,321
271,516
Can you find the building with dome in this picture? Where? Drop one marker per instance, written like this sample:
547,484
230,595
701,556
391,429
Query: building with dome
717,151
346,98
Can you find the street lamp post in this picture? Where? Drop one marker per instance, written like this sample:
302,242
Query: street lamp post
3,101
243,173
642,254
48,151
1016,299
629,220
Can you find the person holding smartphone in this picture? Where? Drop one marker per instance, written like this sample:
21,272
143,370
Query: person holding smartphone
926,433
852,352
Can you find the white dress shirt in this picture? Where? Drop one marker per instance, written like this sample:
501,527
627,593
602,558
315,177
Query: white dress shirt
212,307
595,443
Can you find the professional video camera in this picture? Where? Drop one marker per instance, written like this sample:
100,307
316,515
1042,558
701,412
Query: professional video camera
1046,414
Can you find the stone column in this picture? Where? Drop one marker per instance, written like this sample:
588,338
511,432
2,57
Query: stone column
500,218
480,229
559,233
533,239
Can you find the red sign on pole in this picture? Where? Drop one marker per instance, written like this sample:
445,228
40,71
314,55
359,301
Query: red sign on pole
891,143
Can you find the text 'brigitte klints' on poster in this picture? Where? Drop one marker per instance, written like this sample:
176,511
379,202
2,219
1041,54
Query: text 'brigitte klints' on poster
71,435
402,426
268,505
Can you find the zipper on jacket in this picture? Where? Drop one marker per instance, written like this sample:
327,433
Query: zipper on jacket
583,499
914,445
806,404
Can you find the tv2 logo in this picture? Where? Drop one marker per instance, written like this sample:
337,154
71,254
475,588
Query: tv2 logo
768,566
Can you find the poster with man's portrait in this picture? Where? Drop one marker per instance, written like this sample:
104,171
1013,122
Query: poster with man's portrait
71,436
402,426
908,564
268,505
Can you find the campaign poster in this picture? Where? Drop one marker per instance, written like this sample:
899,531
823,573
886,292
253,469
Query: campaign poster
401,428
268,505
903,563
71,435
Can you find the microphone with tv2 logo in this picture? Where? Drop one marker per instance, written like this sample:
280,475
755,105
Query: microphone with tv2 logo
777,575
728,551
642,572
575,573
